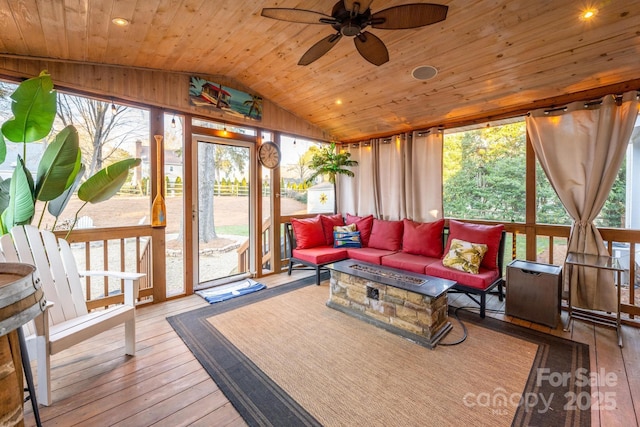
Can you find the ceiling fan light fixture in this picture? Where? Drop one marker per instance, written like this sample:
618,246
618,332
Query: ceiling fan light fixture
424,72
350,29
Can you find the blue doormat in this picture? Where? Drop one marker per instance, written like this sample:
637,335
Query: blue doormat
232,290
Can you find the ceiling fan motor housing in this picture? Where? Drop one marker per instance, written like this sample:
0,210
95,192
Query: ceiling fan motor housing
347,24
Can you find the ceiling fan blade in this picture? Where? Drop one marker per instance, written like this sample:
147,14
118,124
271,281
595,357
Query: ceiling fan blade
371,48
409,16
362,6
319,49
295,15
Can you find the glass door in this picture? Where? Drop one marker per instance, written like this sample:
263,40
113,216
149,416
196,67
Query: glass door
224,211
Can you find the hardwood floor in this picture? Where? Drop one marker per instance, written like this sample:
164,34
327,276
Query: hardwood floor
95,384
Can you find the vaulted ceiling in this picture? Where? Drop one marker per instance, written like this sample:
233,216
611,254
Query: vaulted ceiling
489,54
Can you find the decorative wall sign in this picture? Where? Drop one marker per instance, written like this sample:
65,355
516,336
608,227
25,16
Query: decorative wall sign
204,93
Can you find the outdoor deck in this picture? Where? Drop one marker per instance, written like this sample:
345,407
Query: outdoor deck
94,384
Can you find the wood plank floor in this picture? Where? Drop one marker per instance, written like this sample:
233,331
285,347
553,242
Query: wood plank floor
163,385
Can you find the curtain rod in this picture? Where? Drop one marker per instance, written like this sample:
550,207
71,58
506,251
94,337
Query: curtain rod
523,109
591,103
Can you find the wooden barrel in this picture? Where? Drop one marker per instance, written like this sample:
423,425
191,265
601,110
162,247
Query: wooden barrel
21,300
11,394
21,297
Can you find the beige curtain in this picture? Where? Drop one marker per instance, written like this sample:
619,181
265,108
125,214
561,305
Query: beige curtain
424,176
391,165
581,148
397,177
355,195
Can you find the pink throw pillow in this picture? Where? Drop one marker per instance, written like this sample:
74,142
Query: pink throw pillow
363,225
328,222
489,235
308,232
423,238
386,235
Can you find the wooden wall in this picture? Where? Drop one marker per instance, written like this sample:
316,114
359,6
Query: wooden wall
166,90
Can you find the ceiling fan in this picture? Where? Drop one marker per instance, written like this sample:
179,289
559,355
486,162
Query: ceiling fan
350,18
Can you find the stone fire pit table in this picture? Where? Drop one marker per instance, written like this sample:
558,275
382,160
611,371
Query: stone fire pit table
409,304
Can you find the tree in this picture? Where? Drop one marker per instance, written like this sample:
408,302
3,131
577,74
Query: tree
484,172
549,209
614,210
327,161
102,129
213,160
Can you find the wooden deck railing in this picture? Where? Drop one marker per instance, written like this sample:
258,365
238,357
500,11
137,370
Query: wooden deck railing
243,250
128,249
119,249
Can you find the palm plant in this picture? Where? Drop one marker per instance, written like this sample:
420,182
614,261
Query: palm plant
60,171
331,163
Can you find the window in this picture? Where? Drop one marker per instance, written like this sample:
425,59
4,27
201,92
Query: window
484,172
107,133
297,195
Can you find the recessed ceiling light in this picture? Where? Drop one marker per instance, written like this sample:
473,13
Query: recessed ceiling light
122,22
338,102
589,14
424,72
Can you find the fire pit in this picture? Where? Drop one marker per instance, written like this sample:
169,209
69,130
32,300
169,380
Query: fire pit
409,304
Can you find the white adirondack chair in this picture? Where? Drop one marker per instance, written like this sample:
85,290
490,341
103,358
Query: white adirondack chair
69,322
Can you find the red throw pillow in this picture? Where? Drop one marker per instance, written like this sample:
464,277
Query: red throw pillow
363,225
308,232
423,238
328,222
489,235
386,235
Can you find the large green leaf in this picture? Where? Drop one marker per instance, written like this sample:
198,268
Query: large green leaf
5,188
57,205
106,182
3,149
59,164
34,109
22,204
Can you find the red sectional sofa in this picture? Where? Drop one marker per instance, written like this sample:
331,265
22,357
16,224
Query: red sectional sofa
405,245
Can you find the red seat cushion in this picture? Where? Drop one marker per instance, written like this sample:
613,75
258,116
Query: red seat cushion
371,255
308,232
320,254
386,235
423,238
489,235
328,222
363,225
481,281
409,262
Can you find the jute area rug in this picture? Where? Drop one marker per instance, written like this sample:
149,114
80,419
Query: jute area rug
282,357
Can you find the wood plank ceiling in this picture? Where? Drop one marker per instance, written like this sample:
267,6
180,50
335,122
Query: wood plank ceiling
490,55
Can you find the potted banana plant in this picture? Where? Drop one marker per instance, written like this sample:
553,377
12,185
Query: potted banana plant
330,163
60,170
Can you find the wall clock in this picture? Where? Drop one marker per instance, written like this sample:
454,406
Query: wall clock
269,155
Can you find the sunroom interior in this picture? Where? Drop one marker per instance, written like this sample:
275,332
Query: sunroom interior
486,89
